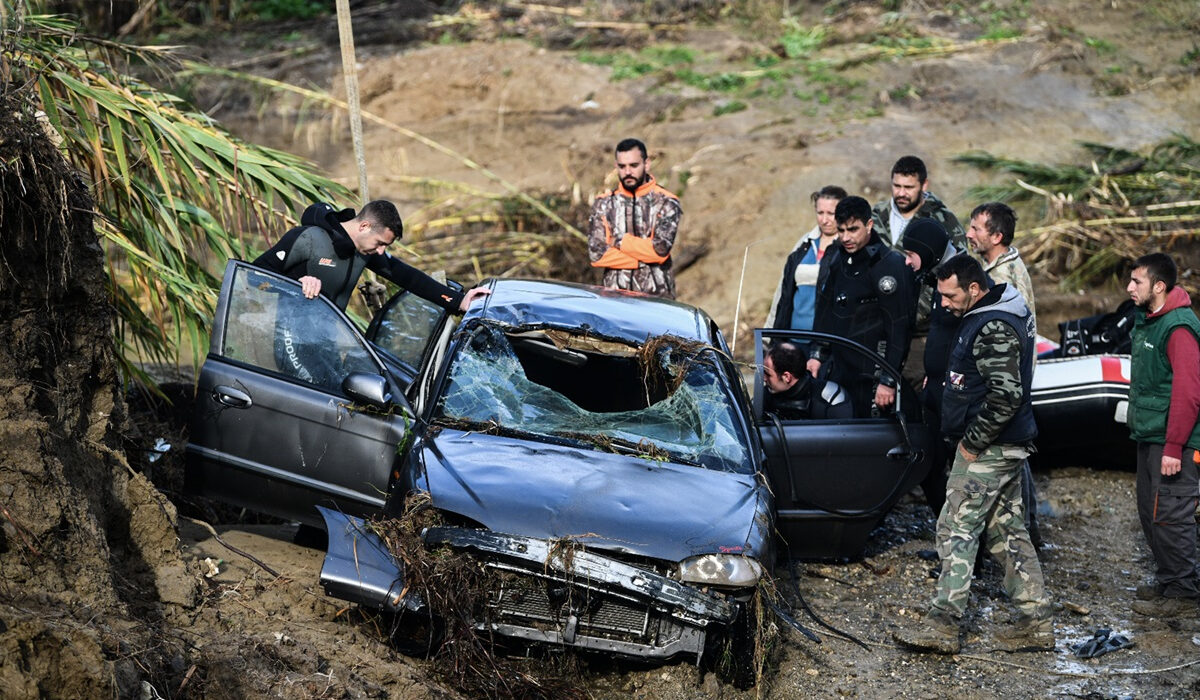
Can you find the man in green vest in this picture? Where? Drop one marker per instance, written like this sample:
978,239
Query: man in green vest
1164,400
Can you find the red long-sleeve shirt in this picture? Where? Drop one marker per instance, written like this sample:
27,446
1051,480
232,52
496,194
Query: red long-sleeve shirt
1183,352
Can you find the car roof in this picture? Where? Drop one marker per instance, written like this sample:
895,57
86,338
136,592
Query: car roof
629,316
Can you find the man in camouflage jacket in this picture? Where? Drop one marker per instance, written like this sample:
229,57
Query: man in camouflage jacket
986,410
911,199
632,229
991,235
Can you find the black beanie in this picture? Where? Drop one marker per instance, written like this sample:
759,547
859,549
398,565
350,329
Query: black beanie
927,238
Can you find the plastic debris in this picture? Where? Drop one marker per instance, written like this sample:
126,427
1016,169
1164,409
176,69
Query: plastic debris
214,566
160,448
1102,642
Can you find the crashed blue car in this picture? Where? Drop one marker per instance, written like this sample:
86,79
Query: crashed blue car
549,412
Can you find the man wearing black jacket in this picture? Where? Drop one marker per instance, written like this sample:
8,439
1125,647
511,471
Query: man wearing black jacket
330,249
864,293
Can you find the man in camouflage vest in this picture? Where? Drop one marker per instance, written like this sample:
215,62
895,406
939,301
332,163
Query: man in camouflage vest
986,410
632,229
991,235
1164,399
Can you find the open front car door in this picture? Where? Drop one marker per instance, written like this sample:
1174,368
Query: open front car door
294,407
835,478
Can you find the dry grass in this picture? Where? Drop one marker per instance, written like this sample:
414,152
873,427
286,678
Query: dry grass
1100,216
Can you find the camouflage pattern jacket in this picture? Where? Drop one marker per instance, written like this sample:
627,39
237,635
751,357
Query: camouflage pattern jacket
931,206
1010,269
987,398
630,235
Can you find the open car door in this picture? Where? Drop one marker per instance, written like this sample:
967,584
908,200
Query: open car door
835,479
294,407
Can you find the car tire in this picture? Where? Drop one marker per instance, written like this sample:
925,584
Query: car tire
731,653
418,634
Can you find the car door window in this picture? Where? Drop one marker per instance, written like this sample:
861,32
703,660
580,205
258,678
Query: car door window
272,326
404,327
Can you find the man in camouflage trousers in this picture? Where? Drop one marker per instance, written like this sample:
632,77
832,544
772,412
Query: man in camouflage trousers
986,409
632,229
990,234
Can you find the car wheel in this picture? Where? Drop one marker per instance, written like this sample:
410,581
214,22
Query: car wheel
731,654
418,634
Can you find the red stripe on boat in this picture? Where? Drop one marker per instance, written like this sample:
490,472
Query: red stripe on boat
1111,369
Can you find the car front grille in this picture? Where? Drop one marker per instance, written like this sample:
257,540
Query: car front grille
532,602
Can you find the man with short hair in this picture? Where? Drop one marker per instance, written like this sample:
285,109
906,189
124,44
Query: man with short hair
789,386
991,235
1164,401
864,293
632,229
792,394
986,410
330,249
795,299
910,199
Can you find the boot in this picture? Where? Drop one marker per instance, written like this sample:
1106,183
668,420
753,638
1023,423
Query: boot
1148,591
1028,634
1166,607
936,632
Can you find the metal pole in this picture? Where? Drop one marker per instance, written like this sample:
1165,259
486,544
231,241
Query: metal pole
737,309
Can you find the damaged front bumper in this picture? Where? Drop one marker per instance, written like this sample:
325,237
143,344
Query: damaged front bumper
558,594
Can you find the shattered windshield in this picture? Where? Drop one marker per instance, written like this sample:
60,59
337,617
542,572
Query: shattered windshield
664,400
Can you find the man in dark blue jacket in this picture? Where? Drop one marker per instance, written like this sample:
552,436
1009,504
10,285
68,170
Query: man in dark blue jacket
864,293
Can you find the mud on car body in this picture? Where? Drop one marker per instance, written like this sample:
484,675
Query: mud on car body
552,412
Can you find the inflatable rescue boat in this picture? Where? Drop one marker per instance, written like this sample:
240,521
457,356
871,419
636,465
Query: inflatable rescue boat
1081,392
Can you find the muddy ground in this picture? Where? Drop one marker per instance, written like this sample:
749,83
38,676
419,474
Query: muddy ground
1092,559
507,93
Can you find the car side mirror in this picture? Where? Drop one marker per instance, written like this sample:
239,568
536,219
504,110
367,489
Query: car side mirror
370,389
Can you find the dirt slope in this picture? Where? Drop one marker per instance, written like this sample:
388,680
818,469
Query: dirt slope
545,120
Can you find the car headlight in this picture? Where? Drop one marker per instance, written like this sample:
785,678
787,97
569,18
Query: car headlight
721,570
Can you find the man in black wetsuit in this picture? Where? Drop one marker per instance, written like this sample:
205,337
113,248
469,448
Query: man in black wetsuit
327,253
864,293
789,387
794,395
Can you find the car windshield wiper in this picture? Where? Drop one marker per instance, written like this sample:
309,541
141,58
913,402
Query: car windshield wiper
494,428
594,440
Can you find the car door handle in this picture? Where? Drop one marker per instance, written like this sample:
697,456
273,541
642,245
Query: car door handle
234,398
898,452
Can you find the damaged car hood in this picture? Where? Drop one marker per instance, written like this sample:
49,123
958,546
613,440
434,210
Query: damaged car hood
610,501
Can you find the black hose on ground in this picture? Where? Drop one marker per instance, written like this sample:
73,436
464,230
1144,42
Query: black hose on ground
809,611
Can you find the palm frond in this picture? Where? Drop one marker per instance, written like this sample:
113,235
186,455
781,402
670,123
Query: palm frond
175,193
1099,216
